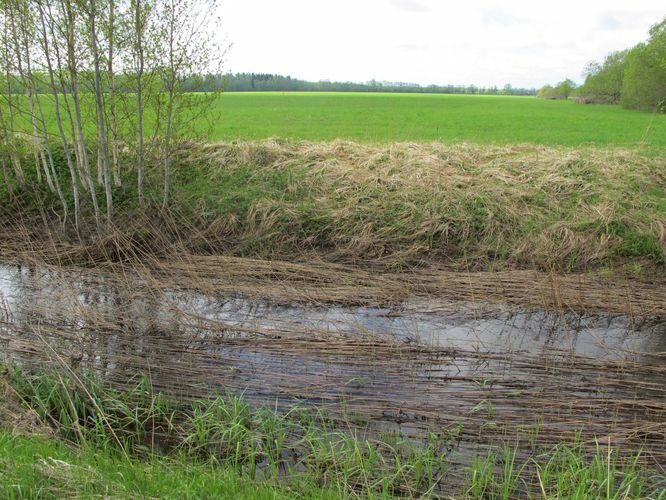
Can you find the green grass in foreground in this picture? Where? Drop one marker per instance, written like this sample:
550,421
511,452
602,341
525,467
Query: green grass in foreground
220,448
36,467
386,118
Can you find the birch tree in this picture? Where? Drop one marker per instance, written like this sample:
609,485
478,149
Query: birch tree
8,109
56,93
105,65
186,29
102,143
70,18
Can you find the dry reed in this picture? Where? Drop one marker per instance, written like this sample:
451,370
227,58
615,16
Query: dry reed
118,326
463,206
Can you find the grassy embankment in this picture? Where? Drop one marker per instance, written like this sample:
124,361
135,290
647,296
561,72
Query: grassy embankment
467,207
595,199
137,443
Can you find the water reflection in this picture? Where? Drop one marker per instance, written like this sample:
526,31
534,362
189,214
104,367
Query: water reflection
408,366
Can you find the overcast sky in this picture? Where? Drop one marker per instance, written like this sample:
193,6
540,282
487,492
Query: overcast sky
481,42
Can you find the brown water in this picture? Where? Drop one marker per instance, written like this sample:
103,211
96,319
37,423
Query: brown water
495,372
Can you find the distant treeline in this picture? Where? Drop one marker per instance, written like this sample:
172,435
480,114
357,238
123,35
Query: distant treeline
634,78
256,82
253,82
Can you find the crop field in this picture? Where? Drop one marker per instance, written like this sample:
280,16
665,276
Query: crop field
387,118
390,118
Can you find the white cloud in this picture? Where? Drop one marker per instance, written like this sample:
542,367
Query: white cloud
485,42
610,21
410,5
494,15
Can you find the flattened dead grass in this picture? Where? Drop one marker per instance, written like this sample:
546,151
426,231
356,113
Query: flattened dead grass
520,205
398,207
14,413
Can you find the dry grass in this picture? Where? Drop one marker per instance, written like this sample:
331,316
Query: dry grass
579,229
310,279
472,205
15,415
462,206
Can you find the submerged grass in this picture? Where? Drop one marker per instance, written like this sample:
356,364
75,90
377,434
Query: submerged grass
141,443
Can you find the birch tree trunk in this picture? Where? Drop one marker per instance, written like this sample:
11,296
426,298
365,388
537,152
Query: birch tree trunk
139,26
9,127
61,131
113,124
102,143
84,163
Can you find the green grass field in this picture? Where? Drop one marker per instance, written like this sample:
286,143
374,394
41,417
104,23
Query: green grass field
386,118
390,118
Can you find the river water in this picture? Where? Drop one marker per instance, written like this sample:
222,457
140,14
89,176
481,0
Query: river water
493,370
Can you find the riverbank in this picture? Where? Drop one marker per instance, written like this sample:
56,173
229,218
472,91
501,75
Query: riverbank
449,320
575,229
465,207
89,440
312,280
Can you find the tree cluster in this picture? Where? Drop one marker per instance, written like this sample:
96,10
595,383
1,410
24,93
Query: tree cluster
603,82
644,82
634,78
562,90
92,89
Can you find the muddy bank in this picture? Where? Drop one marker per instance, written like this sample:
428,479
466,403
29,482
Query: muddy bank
483,371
